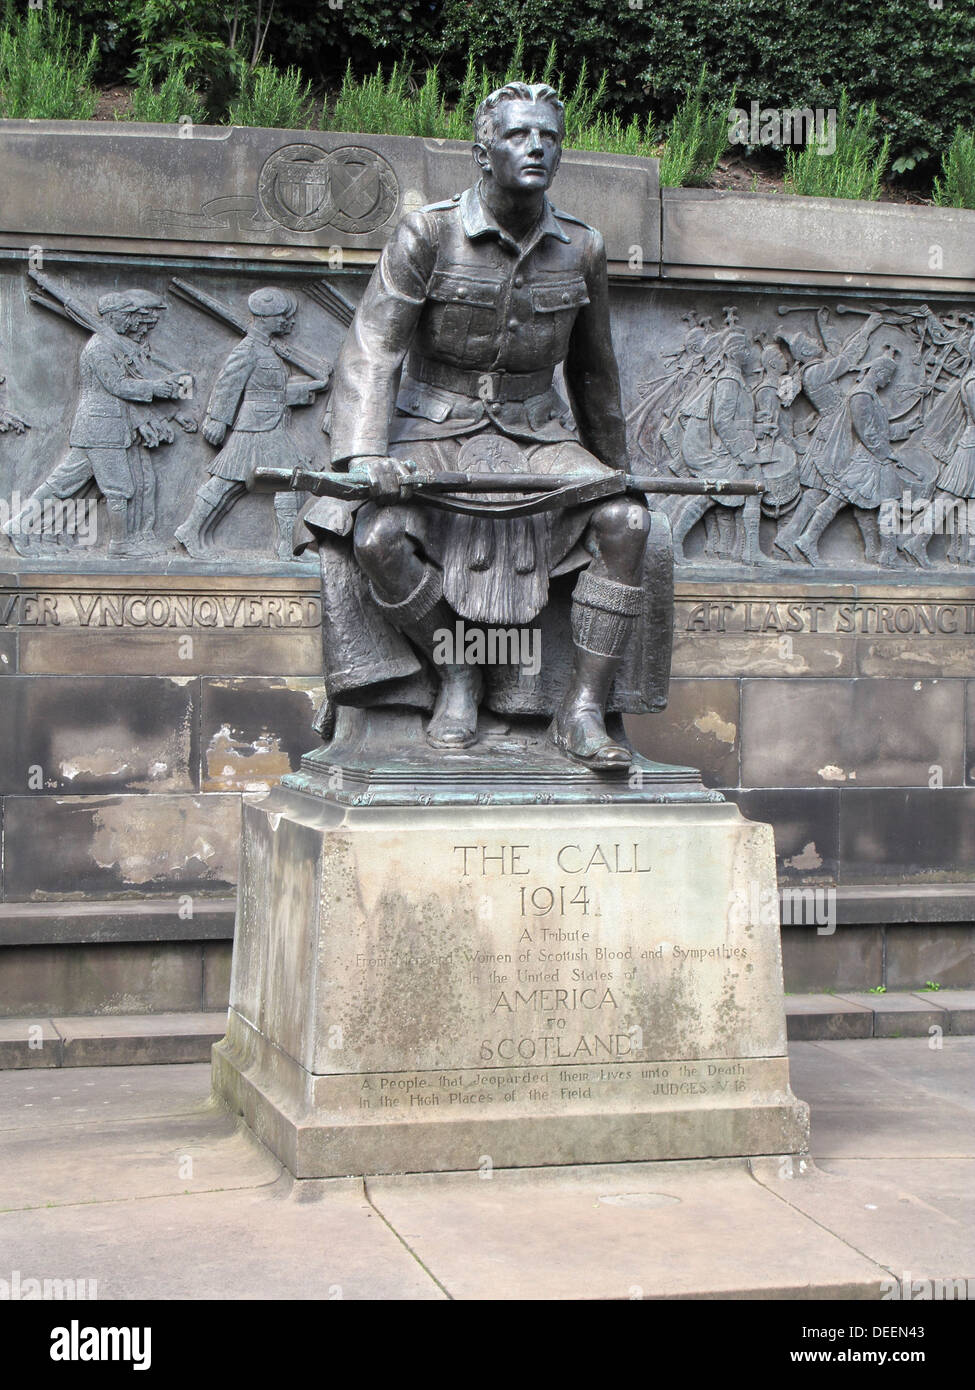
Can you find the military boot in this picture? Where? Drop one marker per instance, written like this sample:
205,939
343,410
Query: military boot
604,613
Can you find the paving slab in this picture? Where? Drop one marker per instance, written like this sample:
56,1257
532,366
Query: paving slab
901,1015
946,1185
256,1243
880,1212
639,1230
98,1095
888,1098
131,1176
134,1178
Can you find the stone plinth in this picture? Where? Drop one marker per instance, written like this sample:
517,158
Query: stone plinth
426,989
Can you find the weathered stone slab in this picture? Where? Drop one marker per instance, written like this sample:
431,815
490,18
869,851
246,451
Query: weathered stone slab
255,731
119,846
923,834
85,735
807,830
36,981
849,958
153,1039
814,1016
539,992
699,728
155,919
28,1043
751,236
903,1015
217,959
918,952
960,1007
882,733
219,186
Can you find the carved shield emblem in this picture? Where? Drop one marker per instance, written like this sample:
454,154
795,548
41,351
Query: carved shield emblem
304,188
365,190
293,188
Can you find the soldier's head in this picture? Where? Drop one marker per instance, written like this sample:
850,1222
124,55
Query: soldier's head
518,134
273,310
736,347
801,345
881,371
773,360
132,313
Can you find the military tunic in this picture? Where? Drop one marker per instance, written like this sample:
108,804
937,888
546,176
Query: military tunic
251,397
103,431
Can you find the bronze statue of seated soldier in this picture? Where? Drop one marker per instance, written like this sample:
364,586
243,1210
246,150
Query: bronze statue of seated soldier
449,366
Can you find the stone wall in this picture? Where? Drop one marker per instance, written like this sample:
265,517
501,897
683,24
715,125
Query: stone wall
146,693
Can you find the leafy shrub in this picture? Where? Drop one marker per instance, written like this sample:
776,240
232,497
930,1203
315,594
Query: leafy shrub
696,137
45,71
173,98
855,168
915,60
267,97
957,188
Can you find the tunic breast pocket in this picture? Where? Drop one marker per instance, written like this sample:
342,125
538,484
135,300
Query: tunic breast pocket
271,377
463,313
554,309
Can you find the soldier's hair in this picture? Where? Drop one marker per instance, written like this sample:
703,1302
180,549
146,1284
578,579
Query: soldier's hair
485,117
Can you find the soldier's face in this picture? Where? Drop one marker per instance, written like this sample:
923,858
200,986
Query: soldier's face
527,147
279,325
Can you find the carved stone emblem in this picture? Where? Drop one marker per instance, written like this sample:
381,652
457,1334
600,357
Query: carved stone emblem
303,188
364,190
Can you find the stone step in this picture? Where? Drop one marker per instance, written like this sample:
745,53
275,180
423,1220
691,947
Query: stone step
141,1039
895,1014
100,1041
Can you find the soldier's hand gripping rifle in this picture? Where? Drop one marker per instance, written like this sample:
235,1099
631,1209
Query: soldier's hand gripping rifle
440,489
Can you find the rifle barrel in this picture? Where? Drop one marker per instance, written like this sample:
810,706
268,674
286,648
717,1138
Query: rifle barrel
325,484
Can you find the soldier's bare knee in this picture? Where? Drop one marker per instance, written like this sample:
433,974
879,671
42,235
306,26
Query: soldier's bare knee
379,535
621,527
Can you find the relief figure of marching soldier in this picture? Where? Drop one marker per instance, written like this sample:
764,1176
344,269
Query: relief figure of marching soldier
112,429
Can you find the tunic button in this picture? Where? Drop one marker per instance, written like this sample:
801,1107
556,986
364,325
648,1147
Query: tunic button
461,291
565,299
519,281
512,323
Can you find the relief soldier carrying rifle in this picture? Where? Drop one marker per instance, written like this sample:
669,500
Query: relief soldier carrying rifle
119,374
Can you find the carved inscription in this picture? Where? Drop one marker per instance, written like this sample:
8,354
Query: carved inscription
481,1090
778,617
23,608
563,989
